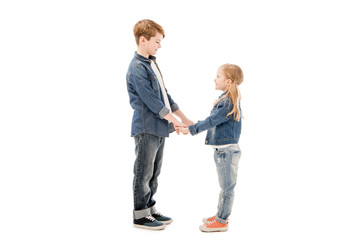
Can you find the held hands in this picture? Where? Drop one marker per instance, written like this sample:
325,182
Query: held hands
178,125
184,130
181,128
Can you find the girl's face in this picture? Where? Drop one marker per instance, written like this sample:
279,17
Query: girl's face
153,44
221,83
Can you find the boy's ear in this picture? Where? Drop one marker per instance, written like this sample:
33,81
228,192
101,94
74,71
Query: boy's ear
142,39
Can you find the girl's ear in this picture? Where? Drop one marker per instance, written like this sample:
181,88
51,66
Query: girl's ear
229,81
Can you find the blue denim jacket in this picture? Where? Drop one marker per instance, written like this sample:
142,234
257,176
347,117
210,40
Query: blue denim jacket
146,99
221,129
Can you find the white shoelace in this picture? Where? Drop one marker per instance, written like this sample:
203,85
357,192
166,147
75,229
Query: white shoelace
151,218
212,222
158,213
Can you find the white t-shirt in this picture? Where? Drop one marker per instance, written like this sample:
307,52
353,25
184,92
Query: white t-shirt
222,146
162,85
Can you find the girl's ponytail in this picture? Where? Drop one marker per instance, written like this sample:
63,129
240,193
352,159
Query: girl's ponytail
235,74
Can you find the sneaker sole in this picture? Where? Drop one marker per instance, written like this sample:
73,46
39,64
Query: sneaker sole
204,229
148,227
167,222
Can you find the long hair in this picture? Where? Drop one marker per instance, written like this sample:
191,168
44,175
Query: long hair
235,74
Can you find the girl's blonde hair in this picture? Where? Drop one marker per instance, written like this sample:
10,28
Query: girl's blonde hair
235,74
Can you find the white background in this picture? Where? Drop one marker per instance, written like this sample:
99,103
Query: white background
65,147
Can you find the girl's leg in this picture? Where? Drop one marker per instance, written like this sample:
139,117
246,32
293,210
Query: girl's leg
226,161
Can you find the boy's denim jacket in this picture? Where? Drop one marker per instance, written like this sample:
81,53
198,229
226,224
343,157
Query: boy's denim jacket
146,99
221,129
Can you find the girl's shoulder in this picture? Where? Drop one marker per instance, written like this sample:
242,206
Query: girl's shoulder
224,102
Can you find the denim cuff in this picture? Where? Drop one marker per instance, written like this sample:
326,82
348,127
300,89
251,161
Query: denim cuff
174,107
220,220
164,112
153,210
192,130
137,214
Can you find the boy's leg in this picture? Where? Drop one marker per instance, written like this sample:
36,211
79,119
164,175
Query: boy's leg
153,184
226,161
146,150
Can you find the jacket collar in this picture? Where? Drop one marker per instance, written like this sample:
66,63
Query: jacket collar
142,58
223,94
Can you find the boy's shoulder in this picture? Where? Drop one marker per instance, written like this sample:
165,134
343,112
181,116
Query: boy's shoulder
137,68
136,65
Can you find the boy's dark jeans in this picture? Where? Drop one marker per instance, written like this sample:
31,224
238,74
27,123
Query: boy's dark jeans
149,153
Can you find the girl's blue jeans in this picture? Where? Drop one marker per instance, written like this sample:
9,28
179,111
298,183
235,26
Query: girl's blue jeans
226,160
149,154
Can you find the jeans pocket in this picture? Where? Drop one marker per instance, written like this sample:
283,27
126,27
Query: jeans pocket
235,157
219,155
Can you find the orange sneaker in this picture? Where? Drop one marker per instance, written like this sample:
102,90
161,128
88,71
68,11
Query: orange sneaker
205,220
214,226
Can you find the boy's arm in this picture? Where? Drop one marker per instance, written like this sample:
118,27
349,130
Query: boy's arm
171,118
183,118
175,109
173,105
141,85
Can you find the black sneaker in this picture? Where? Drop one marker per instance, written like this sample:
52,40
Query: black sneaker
149,223
161,218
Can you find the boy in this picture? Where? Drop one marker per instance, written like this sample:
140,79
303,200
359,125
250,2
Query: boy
152,121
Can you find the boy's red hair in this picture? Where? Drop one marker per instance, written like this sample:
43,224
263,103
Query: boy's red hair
148,29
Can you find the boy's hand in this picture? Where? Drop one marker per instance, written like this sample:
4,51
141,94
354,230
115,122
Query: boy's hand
184,130
178,125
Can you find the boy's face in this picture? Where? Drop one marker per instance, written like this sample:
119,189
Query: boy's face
221,83
152,45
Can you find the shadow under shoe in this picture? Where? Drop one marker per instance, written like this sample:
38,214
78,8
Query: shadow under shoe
149,223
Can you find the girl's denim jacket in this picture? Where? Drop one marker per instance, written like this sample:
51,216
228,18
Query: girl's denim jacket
146,99
221,129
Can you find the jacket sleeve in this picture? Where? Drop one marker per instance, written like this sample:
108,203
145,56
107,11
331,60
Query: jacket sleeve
217,117
141,85
173,105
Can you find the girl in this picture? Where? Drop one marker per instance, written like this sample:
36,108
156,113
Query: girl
224,127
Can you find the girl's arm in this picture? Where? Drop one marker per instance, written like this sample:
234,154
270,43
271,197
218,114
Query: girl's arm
216,118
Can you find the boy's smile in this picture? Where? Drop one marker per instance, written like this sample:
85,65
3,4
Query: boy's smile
150,47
